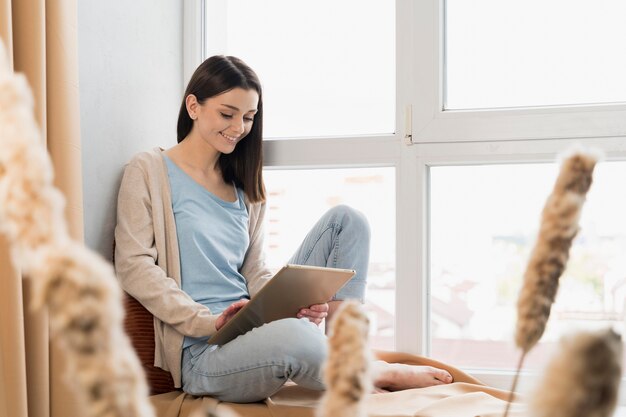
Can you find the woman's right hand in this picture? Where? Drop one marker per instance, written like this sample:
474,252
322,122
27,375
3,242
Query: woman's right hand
229,312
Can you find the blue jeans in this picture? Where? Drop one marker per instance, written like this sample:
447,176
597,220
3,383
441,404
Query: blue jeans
257,364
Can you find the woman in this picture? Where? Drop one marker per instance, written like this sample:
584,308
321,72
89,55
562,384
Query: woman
189,248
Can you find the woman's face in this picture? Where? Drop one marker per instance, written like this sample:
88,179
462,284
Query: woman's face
223,120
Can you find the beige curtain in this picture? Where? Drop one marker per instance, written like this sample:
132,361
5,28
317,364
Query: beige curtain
40,36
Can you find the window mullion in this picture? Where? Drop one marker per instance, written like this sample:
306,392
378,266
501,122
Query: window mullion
193,37
410,323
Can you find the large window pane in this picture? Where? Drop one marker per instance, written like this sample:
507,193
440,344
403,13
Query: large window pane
298,198
484,221
534,53
327,67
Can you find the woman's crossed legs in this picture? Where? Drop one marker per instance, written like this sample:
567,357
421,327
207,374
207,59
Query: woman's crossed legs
256,365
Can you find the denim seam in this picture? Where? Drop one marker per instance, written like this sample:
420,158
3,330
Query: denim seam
237,371
335,249
329,227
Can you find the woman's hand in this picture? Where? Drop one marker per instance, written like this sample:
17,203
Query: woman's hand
315,313
229,312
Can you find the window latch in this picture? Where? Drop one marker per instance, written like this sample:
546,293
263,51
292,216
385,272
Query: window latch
408,125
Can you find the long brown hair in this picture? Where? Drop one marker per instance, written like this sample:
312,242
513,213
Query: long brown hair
243,166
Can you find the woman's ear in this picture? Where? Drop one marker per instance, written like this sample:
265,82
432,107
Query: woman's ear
191,102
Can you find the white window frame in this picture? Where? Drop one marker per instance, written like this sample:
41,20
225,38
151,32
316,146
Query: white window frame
339,152
433,124
194,35
484,153
427,136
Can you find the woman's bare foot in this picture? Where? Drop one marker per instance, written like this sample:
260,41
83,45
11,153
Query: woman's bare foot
398,376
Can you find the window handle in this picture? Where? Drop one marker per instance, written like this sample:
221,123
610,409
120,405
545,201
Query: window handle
408,124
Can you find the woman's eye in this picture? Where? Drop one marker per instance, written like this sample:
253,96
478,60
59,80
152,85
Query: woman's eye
226,116
249,119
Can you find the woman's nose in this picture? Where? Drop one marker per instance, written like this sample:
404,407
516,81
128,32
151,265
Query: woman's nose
238,125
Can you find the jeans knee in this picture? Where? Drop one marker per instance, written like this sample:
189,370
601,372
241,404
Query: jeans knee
352,218
302,341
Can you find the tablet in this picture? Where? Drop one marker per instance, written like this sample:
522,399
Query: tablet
292,288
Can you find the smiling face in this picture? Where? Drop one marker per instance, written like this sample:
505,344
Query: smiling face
223,120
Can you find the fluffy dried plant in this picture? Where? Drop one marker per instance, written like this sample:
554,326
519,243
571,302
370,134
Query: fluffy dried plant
77,286
347,369
559,226
582,380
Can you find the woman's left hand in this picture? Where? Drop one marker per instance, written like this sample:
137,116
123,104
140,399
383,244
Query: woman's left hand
315,313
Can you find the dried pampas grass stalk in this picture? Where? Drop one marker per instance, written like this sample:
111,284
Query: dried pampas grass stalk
78,287
582,380
347,369
559,226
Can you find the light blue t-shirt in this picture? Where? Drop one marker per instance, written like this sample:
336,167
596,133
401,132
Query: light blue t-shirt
212,239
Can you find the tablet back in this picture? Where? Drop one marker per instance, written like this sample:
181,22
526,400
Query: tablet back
292,288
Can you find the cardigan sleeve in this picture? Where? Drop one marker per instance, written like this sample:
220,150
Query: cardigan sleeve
254,268
136,260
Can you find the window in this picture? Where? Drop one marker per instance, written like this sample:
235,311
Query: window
297,198
331,84
327,68
403,99
534,53
484,220
517,70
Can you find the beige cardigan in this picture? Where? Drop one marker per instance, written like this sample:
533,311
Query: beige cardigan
147,261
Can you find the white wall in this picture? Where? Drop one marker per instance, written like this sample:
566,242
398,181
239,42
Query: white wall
130,68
